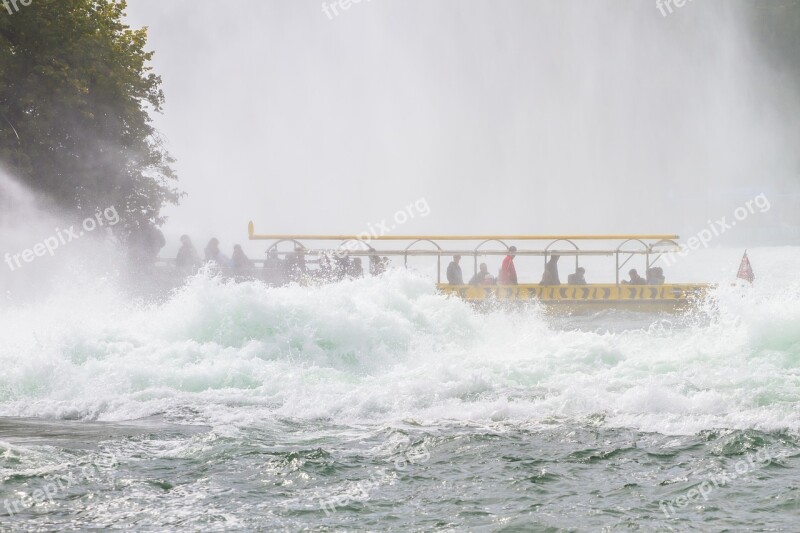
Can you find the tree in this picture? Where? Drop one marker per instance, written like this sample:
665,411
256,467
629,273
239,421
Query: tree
75,95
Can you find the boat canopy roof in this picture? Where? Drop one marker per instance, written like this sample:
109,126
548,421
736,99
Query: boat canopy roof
366,237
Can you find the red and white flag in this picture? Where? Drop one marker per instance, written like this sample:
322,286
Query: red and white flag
745,270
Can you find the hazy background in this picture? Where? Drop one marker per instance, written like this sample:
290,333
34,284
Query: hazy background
511,117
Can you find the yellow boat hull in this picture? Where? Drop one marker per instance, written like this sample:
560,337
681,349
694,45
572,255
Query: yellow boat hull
669,297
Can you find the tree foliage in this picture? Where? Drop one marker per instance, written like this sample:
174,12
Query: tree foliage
75,96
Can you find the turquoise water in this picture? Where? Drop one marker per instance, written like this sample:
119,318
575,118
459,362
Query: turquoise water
378,404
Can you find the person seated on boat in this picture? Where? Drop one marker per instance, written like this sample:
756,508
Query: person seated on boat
212,250
508,273
188,258
659,277
325,270
144,243
239,260
375,265
454,275
341,265
577,278
550,276
274,268
378,265
636,279
296,263
356,270
655,276
482,277
212,254
273,261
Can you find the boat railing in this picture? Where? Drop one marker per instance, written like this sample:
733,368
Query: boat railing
651,246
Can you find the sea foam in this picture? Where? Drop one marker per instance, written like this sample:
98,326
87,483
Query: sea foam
390,348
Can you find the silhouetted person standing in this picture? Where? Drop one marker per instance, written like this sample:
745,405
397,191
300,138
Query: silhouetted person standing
143,246
356,268
274,268
187,258
239,260
212,254
454,275
296,263
325,270
550,276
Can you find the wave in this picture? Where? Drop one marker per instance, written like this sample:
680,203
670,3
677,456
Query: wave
378,350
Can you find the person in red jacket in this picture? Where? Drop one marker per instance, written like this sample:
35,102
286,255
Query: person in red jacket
508,274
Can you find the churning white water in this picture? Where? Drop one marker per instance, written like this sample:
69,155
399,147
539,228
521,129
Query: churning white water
390,348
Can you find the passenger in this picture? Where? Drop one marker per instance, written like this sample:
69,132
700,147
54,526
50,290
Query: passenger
659,277
273,261
655,276
577,278
144,244
157,242
341,265
213,254
508,273
356,270
636,279
379,266
325,271
296,263
482,277
239,260
212,250
274,268
454,275
187,258
550,276
301,258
